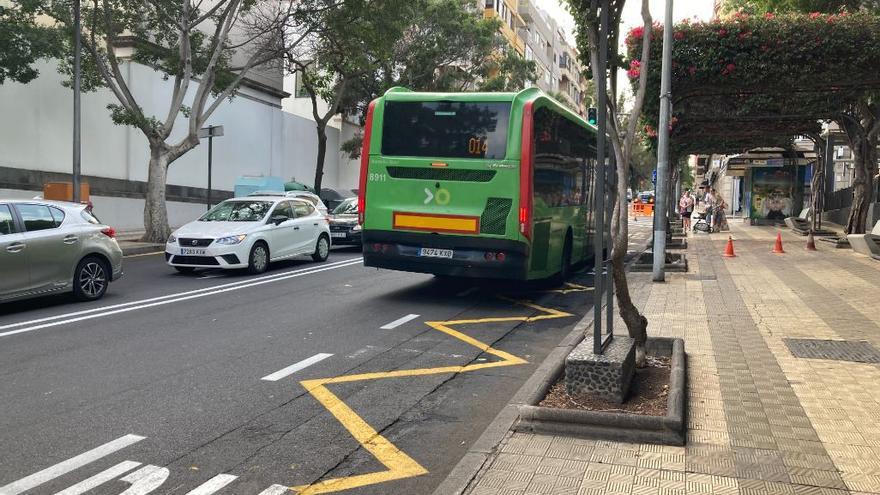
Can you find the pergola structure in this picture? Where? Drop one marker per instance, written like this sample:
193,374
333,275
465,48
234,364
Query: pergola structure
748,82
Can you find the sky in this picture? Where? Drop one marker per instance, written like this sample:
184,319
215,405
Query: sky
632,15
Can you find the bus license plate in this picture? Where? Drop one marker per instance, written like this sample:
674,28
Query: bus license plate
190,251
435,253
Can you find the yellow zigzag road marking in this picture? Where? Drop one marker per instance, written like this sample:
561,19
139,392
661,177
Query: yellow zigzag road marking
398,464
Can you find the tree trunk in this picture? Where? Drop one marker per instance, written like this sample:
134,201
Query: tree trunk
322,153
636,324
156,228
865,167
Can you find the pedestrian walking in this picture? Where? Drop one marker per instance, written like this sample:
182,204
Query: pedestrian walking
720,217
686,208
709,201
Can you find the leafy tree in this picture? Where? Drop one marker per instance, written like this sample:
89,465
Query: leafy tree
426,45
219,43
24,40
623,135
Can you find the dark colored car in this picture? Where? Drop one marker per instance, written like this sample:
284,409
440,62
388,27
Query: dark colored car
344,228
334,197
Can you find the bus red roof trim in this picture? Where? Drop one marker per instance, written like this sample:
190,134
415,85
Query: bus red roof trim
365,163
525,171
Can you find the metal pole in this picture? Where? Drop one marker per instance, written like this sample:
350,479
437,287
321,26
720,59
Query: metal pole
663,150
600,75
77,77
210,153
609,280
829,173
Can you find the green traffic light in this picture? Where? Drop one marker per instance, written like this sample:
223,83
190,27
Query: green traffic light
591,116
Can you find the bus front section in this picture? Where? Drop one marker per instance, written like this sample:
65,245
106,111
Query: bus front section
439,190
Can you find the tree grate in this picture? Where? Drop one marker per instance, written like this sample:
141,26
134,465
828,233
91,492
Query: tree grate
835,350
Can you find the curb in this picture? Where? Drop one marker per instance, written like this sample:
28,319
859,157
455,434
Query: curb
473,461
141,249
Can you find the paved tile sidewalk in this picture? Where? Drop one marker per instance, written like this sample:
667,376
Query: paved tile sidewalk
760,419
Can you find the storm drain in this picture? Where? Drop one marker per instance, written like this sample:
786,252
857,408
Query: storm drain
836,350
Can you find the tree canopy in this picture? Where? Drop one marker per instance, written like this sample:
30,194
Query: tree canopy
757,80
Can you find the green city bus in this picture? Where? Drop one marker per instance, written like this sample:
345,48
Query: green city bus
489,185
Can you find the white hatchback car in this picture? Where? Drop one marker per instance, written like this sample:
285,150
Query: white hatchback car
250,233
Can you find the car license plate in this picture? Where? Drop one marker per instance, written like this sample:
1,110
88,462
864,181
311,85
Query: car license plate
190,251
337,234
435,253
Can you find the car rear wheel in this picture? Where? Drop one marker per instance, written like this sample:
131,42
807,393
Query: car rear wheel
184,269
258,261
91,278
322,249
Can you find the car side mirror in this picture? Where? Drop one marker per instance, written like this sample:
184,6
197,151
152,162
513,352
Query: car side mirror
279,219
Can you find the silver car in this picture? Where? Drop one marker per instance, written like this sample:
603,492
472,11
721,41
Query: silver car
48,247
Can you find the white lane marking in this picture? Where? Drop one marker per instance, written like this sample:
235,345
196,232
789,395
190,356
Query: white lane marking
275,490
64,467
467,292
100,478
214,484
169,301
169,296
400,321
145,480
293,368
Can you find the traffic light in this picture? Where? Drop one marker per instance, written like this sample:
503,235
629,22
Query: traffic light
591,116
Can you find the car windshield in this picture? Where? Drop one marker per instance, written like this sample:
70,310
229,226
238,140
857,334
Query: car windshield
238,211
346,207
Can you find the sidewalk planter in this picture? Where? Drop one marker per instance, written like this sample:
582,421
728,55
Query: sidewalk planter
626,427
675,262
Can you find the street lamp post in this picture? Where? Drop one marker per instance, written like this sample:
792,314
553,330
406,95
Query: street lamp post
210,132
661,201
77,77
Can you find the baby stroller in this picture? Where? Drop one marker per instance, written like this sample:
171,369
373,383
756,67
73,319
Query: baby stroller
699,222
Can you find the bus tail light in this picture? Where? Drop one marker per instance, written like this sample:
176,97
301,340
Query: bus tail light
525,171
365,163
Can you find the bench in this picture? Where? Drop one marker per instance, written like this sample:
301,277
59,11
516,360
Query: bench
801,224
867,244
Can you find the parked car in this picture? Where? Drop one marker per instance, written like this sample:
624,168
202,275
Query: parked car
250,233
344,227
48,247
311,198
333,197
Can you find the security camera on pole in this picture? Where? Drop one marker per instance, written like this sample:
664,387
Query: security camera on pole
662,189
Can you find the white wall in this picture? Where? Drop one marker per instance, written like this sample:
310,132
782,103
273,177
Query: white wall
260,139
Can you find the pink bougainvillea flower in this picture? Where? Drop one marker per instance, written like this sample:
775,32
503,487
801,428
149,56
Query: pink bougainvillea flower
729,68
744,35
692,70
678,35
815,15
722,32
769,15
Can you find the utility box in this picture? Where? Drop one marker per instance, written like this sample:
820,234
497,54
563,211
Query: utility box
63,191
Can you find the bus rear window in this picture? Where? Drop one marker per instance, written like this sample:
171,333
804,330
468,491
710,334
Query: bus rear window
445,129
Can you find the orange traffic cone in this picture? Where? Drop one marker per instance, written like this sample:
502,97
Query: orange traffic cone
778,247
728,251
811,244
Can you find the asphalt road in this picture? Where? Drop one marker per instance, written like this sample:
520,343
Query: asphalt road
217,382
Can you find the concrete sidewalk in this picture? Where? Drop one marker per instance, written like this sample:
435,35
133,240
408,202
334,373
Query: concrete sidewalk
774,407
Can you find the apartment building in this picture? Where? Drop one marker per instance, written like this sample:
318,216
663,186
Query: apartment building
511,21
559,71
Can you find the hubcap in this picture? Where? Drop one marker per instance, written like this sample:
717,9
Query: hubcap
323,248
260,257
92,279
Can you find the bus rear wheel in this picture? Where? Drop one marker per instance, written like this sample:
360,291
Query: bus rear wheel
565,266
